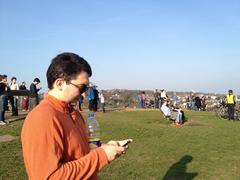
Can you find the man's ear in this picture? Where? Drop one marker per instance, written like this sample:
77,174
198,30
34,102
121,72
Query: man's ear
59,84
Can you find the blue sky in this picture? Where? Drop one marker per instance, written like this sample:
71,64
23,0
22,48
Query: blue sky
139,44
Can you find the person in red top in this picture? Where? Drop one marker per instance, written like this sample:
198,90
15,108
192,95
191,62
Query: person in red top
54,138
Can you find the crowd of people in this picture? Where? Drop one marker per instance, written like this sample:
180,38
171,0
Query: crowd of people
27,102
95,97
167,105
196,102
9,100
172,106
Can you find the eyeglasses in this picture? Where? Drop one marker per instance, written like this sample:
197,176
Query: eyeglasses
82,87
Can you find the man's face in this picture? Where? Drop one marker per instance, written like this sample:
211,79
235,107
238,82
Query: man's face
4,79
75,88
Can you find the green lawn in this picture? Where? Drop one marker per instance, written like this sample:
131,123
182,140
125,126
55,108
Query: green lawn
207,148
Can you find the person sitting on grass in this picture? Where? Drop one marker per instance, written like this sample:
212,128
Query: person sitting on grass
166,109
179,116
176,114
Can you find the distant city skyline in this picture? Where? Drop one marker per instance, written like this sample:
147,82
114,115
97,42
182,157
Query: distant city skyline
173,45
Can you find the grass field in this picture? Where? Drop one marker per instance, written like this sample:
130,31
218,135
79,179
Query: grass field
206,148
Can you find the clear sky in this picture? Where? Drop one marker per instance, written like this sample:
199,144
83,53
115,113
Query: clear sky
178,45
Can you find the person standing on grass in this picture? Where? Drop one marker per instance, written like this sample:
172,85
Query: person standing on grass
156,98
163,96
230,104
102,101
54,136
80,102
23,99
90,97
3,98
143,99
33,94
174,99
198,103
138,99
96,98
14,99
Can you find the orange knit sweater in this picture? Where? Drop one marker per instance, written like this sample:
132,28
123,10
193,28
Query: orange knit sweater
55,144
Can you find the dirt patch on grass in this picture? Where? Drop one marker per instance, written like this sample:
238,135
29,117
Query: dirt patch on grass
6,138
195,122
139,109
192,122
166,122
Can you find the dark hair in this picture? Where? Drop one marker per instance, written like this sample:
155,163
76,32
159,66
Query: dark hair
1,77
13,78
36,80
230,91
66,66
4,76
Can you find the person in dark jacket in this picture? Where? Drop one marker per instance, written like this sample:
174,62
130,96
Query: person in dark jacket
198,103
33,94
24,100
96,98
3,98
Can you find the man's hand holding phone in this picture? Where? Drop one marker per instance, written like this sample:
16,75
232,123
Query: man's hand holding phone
114,149
124,143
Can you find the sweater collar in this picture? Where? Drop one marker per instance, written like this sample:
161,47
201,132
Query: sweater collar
58,104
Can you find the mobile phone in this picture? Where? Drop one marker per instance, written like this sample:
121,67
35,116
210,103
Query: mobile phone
124,143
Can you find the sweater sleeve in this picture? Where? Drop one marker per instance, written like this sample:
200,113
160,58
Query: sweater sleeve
43,151
83,168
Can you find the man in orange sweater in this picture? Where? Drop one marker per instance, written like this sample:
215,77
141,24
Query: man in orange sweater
54,138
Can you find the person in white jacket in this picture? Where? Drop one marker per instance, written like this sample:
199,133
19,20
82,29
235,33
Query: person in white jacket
102,100
165,109
14,99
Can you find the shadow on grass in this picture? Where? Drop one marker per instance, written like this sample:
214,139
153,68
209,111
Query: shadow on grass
178,171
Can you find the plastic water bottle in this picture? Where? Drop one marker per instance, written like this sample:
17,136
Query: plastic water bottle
93,131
